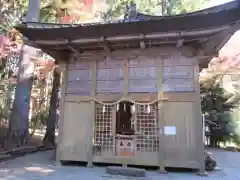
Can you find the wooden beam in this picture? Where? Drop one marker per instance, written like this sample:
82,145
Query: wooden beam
75,48
87,40
132,37
139,97
106,44
123,38
203,60
179,43
51,42
62,55
216,41
142,44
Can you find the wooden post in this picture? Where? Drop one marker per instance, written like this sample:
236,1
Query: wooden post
64,67
114,130
198,123
161,119
125,90
91,124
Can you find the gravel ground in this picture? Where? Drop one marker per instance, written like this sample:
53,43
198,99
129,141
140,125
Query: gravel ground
38,167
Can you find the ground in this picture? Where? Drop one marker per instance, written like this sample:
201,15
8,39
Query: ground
35,140
39,166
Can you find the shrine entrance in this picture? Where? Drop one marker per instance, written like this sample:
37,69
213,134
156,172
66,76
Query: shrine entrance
125,129
124,119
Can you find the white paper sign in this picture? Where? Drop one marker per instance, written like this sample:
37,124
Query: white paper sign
170,130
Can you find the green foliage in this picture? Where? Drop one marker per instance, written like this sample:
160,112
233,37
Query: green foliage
185,6
215,98
117,8
39,119
11,12
6,88
47,14
49,11
218,105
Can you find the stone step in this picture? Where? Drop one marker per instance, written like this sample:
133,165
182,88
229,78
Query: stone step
126,171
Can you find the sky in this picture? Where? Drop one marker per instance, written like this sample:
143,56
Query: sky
218,2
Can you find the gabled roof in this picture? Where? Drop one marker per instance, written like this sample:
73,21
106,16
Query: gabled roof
207,29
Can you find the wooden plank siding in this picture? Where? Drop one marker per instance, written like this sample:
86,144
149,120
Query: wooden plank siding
141,80
141,76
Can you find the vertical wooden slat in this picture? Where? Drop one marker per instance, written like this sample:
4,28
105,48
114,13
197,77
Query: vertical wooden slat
187,131
114,129
125,90
161,119
61,119
198,124
91,124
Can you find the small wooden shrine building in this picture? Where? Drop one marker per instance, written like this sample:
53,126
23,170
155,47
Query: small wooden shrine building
130,91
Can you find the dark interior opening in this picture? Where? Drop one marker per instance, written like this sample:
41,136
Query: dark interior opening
123,119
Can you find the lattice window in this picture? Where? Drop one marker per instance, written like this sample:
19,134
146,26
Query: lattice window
110,76
147,128
79,78
103,128
142,75
178,76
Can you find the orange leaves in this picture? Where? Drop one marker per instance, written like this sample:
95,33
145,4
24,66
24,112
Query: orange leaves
11,44
42,66
5,46
228,61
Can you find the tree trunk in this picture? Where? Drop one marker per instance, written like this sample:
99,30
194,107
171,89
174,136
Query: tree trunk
33,10
49,138
164,7
18,124
212,140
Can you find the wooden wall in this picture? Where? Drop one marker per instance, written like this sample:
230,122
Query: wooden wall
132,72
143,75
79,77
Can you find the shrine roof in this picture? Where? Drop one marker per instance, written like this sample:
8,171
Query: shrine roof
205,19
212,26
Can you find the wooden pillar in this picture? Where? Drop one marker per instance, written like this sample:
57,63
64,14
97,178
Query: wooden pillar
63,66
91,124
161,121
199,125
125,90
